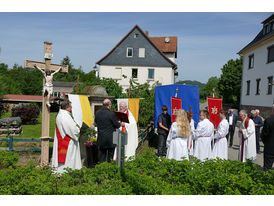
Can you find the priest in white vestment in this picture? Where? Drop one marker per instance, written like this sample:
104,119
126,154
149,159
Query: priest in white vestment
203,135
247,137
220,147
177,139
131,130
66,149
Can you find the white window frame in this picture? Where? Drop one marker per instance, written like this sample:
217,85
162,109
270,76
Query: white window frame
153,74
120,76
127,51
142,52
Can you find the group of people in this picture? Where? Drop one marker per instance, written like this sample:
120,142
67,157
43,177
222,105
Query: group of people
66,148
177,140
180,139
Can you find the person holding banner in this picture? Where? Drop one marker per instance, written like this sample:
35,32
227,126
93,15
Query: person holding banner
220,147
163,125
177,146
247,138
203,136
66,149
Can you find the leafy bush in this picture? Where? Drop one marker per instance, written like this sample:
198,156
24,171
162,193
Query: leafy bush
146,174
8,159
28,113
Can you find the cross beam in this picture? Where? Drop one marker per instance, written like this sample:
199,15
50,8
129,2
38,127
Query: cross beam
45,109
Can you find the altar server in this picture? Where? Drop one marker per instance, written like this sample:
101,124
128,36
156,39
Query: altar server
203,136
220,146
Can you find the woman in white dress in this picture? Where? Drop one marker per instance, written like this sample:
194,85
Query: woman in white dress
177,140
220,146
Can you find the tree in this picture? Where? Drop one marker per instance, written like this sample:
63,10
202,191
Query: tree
230,82
210,87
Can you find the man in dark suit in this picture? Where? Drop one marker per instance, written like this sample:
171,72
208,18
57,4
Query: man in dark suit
267,137
258,124
232,120
106,123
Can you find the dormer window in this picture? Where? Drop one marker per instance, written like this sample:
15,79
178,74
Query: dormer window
136,35
129,52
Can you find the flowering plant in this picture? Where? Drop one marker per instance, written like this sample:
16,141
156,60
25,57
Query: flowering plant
90,135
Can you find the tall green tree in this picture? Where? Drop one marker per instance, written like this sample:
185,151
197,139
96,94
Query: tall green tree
210,88
230,82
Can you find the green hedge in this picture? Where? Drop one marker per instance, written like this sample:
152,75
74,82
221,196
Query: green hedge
8,159
147,174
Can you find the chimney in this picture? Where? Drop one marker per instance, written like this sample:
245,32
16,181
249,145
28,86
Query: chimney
146,32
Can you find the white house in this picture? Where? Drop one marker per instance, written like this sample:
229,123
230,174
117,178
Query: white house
141,58
258,70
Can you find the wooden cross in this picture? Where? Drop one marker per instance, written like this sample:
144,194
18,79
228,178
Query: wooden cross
45,109
189,114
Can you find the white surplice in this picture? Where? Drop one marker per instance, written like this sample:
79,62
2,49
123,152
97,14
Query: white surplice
176,145
67,127
220,147
249,149
190,145
203,136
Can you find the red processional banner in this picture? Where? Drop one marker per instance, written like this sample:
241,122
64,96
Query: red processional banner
176,104
214,106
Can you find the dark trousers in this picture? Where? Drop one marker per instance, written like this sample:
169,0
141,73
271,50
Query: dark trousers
258,141
231,134
106,154
268,161
162,144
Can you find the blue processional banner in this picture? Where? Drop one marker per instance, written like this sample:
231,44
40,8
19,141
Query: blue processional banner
188,93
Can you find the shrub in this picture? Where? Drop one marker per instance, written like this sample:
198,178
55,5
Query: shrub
8,159
28,113
145,175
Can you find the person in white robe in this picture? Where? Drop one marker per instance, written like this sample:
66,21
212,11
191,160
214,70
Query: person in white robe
220,148
203,135
66,148
247,136
132,131
177,139
190,143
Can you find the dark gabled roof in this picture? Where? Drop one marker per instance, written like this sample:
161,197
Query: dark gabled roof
260,36
268,19
136,26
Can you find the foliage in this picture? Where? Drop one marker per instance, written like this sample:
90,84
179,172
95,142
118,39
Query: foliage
210,87
89,135
8,159
28,113
146,109
146,174
230,82
190,82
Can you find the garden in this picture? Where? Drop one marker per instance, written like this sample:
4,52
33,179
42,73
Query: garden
145,175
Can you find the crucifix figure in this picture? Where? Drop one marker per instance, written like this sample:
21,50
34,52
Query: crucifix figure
47,88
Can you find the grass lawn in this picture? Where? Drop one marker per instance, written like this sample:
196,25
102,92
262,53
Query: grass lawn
34,131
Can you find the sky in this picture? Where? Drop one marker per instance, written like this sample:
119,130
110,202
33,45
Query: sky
206,40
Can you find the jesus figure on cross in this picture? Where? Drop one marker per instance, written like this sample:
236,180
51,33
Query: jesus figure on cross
48,87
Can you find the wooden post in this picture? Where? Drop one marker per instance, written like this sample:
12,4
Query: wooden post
45,109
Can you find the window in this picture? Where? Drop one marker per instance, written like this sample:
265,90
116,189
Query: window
270,55
270,82
136,35
248,87
272,25
251,61
134,73
150,73
258,86
142,52
129,52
